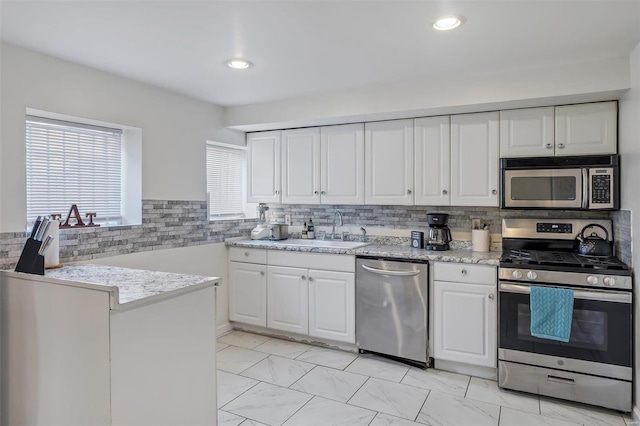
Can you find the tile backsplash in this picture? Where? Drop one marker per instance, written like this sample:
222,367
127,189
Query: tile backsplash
165,224
414,217
172,224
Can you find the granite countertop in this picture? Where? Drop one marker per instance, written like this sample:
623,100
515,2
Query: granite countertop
461,251
130,286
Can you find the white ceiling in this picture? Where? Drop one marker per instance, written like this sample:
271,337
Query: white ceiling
304,47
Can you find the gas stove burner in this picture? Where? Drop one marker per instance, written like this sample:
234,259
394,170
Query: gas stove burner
520,254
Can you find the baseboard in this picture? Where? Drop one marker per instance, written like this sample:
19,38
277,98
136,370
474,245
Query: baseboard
301,338
470,370
636,414
222,329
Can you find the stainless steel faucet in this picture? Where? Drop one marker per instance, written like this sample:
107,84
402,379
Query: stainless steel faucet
341,223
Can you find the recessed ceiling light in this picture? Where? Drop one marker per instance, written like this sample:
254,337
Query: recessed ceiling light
238,64
449,22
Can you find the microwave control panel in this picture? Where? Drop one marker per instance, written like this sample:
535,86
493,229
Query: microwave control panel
601,188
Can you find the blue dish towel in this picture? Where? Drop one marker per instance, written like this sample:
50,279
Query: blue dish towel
551,313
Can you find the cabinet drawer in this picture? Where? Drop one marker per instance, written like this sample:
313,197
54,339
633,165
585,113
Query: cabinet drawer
247,255
464,273
324,261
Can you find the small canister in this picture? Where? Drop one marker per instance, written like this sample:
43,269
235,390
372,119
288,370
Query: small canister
417,239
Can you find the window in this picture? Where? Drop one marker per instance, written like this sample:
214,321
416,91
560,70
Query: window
72,163
226,180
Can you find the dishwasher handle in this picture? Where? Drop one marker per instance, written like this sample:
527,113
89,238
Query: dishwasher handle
412,273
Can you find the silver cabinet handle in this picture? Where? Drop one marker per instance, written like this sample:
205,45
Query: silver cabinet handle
323,193
310,278
408,191
391,272
463,272
246,253
277,192
315,192
491,296
561,145
445,192
303,277
494,192
262,273
549,146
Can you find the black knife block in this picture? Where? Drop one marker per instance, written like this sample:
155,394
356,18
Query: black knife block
30,261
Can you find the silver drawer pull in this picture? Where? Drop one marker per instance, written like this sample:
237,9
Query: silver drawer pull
391,272
310,279
262,273
303,277
562,380
463,272
246,253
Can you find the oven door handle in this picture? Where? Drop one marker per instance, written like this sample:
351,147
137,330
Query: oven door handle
585,188
599,296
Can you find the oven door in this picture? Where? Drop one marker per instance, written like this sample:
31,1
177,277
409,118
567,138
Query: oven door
544,188
601,340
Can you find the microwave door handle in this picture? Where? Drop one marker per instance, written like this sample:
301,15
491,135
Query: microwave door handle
585,188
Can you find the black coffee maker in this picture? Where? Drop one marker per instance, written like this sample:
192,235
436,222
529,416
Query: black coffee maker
439,234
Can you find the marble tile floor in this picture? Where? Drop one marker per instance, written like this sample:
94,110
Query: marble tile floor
268,381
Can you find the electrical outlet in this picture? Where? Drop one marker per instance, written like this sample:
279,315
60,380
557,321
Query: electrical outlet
287,219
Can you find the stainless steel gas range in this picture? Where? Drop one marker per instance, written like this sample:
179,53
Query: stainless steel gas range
595,365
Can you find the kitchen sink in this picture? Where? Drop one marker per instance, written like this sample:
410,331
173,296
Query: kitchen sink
322,243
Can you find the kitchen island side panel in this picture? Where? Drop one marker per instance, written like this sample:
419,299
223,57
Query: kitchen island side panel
164,361
54,365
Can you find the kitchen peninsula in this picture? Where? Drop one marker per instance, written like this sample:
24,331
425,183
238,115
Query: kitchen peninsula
93,344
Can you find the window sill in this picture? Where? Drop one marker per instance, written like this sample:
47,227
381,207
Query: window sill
229,218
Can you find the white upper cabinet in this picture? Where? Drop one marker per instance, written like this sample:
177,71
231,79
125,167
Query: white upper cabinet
587,129
474,159
301,166
432,161
389,162
527,132
342,164
263,168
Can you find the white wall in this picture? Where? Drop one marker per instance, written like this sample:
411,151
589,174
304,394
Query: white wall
464,92
208,260
174,127
629,144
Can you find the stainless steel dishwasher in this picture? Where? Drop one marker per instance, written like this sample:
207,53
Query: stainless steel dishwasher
391,308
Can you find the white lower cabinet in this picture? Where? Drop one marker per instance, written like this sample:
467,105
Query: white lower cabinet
287,299
248,293
465,314
332,305
303,293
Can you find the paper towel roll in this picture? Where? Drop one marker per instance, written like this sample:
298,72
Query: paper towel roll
52,255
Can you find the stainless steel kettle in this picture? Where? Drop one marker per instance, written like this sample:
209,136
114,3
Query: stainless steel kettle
593,245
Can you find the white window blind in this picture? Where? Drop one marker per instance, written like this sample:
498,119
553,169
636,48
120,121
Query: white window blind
72,163
226,179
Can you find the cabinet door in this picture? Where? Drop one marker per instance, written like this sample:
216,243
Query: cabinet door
432,160
587,129
465,323
527,132
248,293
263,167
389,162
474,159
342,164
288,299
301,166
332,305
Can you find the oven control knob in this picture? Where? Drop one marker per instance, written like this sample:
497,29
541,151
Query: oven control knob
532,275
609,281
516,274
591,280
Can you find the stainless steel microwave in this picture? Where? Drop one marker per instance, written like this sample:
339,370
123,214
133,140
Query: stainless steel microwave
570,183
